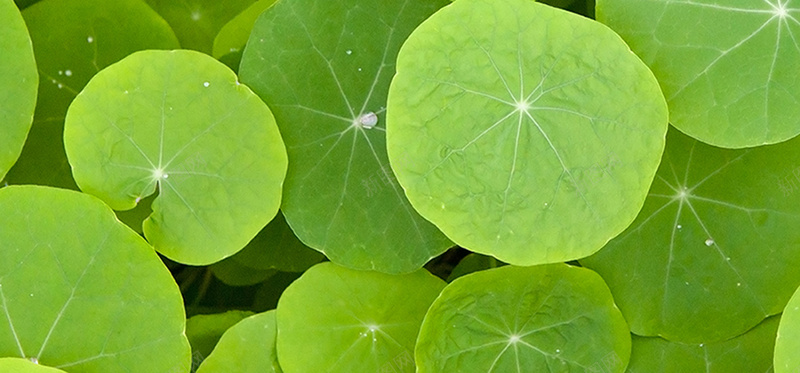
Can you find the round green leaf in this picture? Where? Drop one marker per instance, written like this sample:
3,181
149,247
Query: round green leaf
197,22
204,331
179,122
82,292
233,36
247,347
18,365
551,318
333,319
73,40
728,67
324,68
787,344
18,82
523,131
749,352
714,250
276,247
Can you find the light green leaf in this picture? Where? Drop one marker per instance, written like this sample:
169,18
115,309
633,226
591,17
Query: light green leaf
324,68
204,331
234,273
787,343
749,352
80,291
551,318
276,247
179,122
233,36
90,35
714,250
728,67
523,131
18,82
197,22
18,365
247,347
333,319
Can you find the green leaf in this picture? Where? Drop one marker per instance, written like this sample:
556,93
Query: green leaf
80,291
204,331
276,247
18,365
523,131
324,67
18,82
234,273
197,22
247,347
473,263
551,318
333,319
787,344
749,352
714,250
233,36
73,40
181,123
728,67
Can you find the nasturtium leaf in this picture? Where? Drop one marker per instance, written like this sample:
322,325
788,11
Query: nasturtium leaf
233,36
80,291
247,347
18,84
335,319
549,318
787,344
204,331
234,273
73,40
749,352
714,250
197,22
180,122
473,263
727,67
324,68
523,131
276,247
19,365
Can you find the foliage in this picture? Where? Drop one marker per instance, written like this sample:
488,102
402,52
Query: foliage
285,185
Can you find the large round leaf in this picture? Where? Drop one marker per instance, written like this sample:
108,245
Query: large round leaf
714,250
334,319
324,67
80,291
18,82
787,344
728,67
522,131
179,122
749,352
247,347
73,40
551,318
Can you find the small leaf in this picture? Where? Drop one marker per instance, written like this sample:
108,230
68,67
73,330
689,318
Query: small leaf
233,36
787,344
728,67
247,347
523,131
18,365
550,318
179,122
714,250
333,319
204,331
18,82
84,294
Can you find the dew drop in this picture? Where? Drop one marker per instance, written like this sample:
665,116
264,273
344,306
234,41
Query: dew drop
359,69
701,345
68,73
126,92
60,72
558,351
90,40
138,199
738,284
687,283
206,84
680,226
349,52
709,242
196,16
368,120
34,360
60,86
